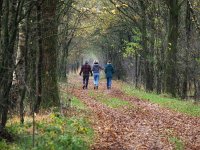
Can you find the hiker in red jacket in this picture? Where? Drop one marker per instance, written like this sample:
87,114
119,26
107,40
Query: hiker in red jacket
86,70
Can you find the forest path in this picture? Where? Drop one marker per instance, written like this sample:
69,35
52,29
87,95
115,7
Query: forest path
139,126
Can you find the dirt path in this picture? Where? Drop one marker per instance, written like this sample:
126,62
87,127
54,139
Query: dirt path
146,126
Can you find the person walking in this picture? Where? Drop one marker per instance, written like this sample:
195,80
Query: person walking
96,73
86,70
109,70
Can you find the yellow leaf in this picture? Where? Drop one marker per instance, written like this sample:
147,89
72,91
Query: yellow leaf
124,5
117,5
113,11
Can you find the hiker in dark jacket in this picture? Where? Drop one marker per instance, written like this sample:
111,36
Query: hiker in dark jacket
96,73
86,70
109,70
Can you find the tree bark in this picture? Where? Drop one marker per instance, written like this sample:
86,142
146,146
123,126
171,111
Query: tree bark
188,34
147,66
6,67
171,58
39,62
5,71
49,42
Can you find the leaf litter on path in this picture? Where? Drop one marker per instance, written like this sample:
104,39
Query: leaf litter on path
145,126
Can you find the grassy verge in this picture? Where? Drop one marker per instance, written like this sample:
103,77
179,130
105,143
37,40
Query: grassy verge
76,103
186,107
178,144
54,131
110,102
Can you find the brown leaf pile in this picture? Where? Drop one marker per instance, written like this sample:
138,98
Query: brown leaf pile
143,127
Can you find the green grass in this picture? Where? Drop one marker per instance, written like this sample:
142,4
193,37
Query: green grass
186,107
114,102
110,102
78,104
53,132
74,101
179,145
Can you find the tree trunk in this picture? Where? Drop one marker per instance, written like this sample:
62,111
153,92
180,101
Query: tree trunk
148,72
5,69
171,63
49,42
136,71
198,91
39,62
1,14
20,70
188,34
6,66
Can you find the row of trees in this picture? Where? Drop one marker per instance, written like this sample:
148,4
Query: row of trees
157,43
167,59
28,55
35,37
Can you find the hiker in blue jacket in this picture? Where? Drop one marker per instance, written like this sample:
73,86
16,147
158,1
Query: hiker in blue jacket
109,70
96,73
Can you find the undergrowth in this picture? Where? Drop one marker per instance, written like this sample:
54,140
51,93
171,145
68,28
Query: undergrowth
53,131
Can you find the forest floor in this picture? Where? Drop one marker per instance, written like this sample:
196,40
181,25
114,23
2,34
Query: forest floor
124,122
